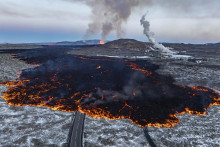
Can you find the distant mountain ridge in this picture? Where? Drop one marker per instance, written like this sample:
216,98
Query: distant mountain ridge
81,42
64,43
112,44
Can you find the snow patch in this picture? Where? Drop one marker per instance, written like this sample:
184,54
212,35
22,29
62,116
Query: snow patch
29,126
121,57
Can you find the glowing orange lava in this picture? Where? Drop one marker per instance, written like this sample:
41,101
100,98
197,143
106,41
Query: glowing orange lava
102,42
78,88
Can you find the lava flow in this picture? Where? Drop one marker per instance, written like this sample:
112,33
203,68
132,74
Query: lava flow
107,88
102,42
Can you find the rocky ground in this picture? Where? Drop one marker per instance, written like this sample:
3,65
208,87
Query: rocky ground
205,71
18,46
202,70
121,48
29,126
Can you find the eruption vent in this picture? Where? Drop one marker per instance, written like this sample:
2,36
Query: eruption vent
150,36
109,16
101,42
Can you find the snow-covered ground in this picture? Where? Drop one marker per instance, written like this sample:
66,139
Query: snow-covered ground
181,57
122,57
29,126
193,130
120,133
32,126
193,74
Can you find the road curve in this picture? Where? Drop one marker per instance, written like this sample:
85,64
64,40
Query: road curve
77,130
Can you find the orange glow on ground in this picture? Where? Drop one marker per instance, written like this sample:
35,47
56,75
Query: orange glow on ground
102,42
24,92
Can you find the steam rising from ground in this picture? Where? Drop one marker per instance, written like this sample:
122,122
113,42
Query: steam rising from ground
150,36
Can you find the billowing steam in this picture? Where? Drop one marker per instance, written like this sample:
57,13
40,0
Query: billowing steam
108,16
150,36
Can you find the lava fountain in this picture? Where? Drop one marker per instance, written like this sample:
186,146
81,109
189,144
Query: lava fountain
106,88
102,42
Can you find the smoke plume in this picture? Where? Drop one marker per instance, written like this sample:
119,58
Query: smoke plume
109,16
150,35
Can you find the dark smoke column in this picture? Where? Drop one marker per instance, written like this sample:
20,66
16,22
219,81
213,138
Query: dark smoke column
109,16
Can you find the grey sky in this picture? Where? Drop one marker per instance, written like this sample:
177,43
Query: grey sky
196,21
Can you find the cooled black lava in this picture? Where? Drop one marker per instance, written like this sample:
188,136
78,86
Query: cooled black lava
104,88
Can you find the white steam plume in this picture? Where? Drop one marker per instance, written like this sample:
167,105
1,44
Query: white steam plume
109,15
150,36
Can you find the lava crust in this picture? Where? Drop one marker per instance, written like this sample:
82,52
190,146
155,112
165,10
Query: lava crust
106,88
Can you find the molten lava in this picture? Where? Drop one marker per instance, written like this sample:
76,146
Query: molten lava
102,42
107,88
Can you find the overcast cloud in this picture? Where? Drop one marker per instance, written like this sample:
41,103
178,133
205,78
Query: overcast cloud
195,21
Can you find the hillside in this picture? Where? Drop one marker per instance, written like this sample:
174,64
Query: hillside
122,47
126,43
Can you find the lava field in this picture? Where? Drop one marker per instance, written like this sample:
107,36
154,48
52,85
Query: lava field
104,88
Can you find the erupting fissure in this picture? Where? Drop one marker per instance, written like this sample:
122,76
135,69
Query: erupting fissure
102,42
108,88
